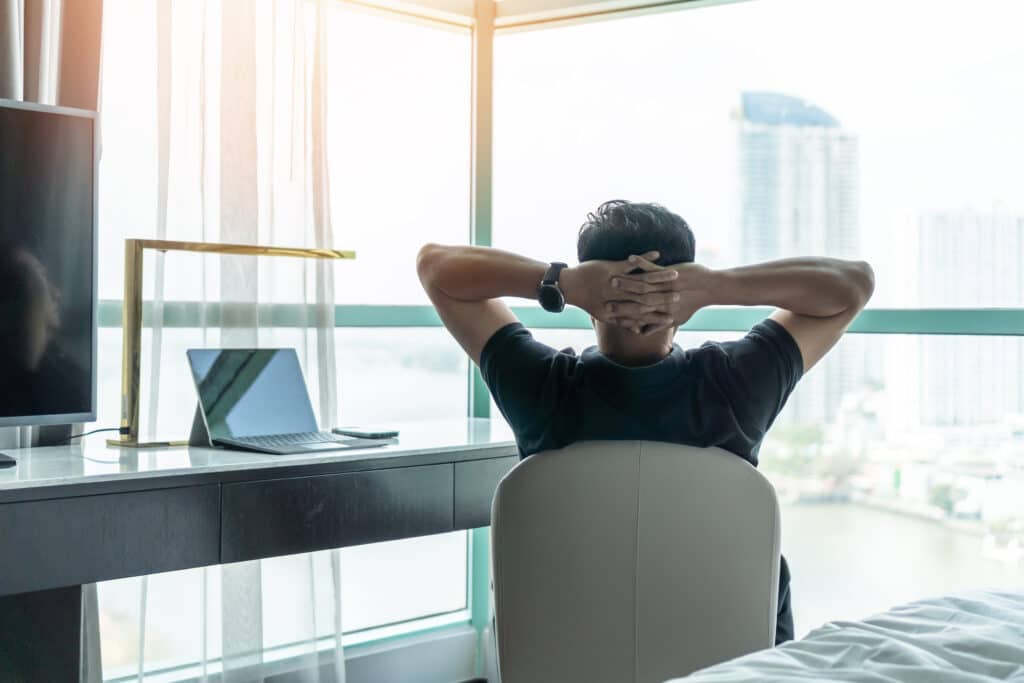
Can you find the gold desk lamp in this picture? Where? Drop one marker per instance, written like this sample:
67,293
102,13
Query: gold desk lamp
131,318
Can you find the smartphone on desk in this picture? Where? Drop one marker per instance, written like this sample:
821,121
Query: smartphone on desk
365,433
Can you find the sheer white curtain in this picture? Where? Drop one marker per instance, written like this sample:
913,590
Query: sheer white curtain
49,51
30,49
240,137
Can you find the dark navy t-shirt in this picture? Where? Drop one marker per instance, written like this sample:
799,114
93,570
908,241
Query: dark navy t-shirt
724,394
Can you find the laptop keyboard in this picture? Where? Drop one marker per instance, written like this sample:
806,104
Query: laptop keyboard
297,439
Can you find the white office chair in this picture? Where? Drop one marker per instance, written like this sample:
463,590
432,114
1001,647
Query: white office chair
619,561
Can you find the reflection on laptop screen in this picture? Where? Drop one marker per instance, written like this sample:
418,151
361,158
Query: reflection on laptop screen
251,392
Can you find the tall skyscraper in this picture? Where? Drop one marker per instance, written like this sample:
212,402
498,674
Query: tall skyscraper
799,195
970,258
799,176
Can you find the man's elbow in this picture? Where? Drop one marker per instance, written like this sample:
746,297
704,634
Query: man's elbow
861,277
427,263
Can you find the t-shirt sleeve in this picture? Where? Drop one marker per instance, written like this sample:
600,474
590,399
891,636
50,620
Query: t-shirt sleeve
525,377
757,374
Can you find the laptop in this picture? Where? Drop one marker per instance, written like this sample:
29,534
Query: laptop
256,400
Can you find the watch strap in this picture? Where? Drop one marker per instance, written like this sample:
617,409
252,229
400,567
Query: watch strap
553,271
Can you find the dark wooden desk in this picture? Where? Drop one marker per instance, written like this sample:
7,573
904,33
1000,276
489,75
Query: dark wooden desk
73,515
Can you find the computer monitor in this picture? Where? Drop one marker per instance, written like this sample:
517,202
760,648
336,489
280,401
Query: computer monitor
48,218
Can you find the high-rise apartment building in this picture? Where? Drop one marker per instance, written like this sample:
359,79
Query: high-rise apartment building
799,195
799,177
970,258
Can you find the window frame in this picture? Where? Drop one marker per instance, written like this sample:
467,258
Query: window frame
485,20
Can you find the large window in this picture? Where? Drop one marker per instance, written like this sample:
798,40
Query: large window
775,128
811,127
397,136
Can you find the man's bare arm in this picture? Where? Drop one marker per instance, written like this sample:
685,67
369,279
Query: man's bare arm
817,298
465,283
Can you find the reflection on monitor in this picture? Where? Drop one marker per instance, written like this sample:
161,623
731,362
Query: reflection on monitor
47,265
251,392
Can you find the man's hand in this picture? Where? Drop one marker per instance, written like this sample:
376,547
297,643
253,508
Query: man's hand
658,297
590,286
817,298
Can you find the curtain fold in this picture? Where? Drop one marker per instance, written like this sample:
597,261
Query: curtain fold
12,51
50,51
32,50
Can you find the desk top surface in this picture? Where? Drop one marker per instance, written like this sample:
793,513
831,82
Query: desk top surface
94,467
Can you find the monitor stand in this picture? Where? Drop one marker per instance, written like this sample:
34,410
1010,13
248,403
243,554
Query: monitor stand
46,435
200,435
53,435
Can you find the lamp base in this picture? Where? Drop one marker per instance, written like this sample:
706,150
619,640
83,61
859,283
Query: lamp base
128,442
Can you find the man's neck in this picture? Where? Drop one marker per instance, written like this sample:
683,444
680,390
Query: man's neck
633,351
633,360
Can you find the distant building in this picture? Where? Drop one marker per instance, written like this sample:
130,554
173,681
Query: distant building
799,195
971,259
799,177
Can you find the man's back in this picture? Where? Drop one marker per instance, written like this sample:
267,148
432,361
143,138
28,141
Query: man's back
721,394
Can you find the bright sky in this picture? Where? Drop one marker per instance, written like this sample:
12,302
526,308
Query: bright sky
637,108
641,109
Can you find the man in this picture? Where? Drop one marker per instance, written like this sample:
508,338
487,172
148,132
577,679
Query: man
638,281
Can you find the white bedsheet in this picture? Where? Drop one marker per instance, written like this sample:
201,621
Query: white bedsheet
958,639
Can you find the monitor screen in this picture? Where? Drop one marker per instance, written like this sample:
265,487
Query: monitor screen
251,392
47,265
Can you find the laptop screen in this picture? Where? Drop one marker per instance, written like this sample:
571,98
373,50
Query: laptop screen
251,392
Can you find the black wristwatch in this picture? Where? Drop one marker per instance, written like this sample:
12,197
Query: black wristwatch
548,293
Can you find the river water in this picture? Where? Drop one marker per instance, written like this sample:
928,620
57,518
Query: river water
849,561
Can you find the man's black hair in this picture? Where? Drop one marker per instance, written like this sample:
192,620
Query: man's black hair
620,228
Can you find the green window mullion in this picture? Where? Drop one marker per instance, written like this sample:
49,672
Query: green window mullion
479,403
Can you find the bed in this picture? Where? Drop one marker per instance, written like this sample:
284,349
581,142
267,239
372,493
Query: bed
973,637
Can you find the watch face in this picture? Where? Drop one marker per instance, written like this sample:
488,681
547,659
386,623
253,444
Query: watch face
551,298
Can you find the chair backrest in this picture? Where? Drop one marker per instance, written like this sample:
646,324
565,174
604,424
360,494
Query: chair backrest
634,561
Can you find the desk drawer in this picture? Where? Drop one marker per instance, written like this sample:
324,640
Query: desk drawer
475,483
67,541
286,516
